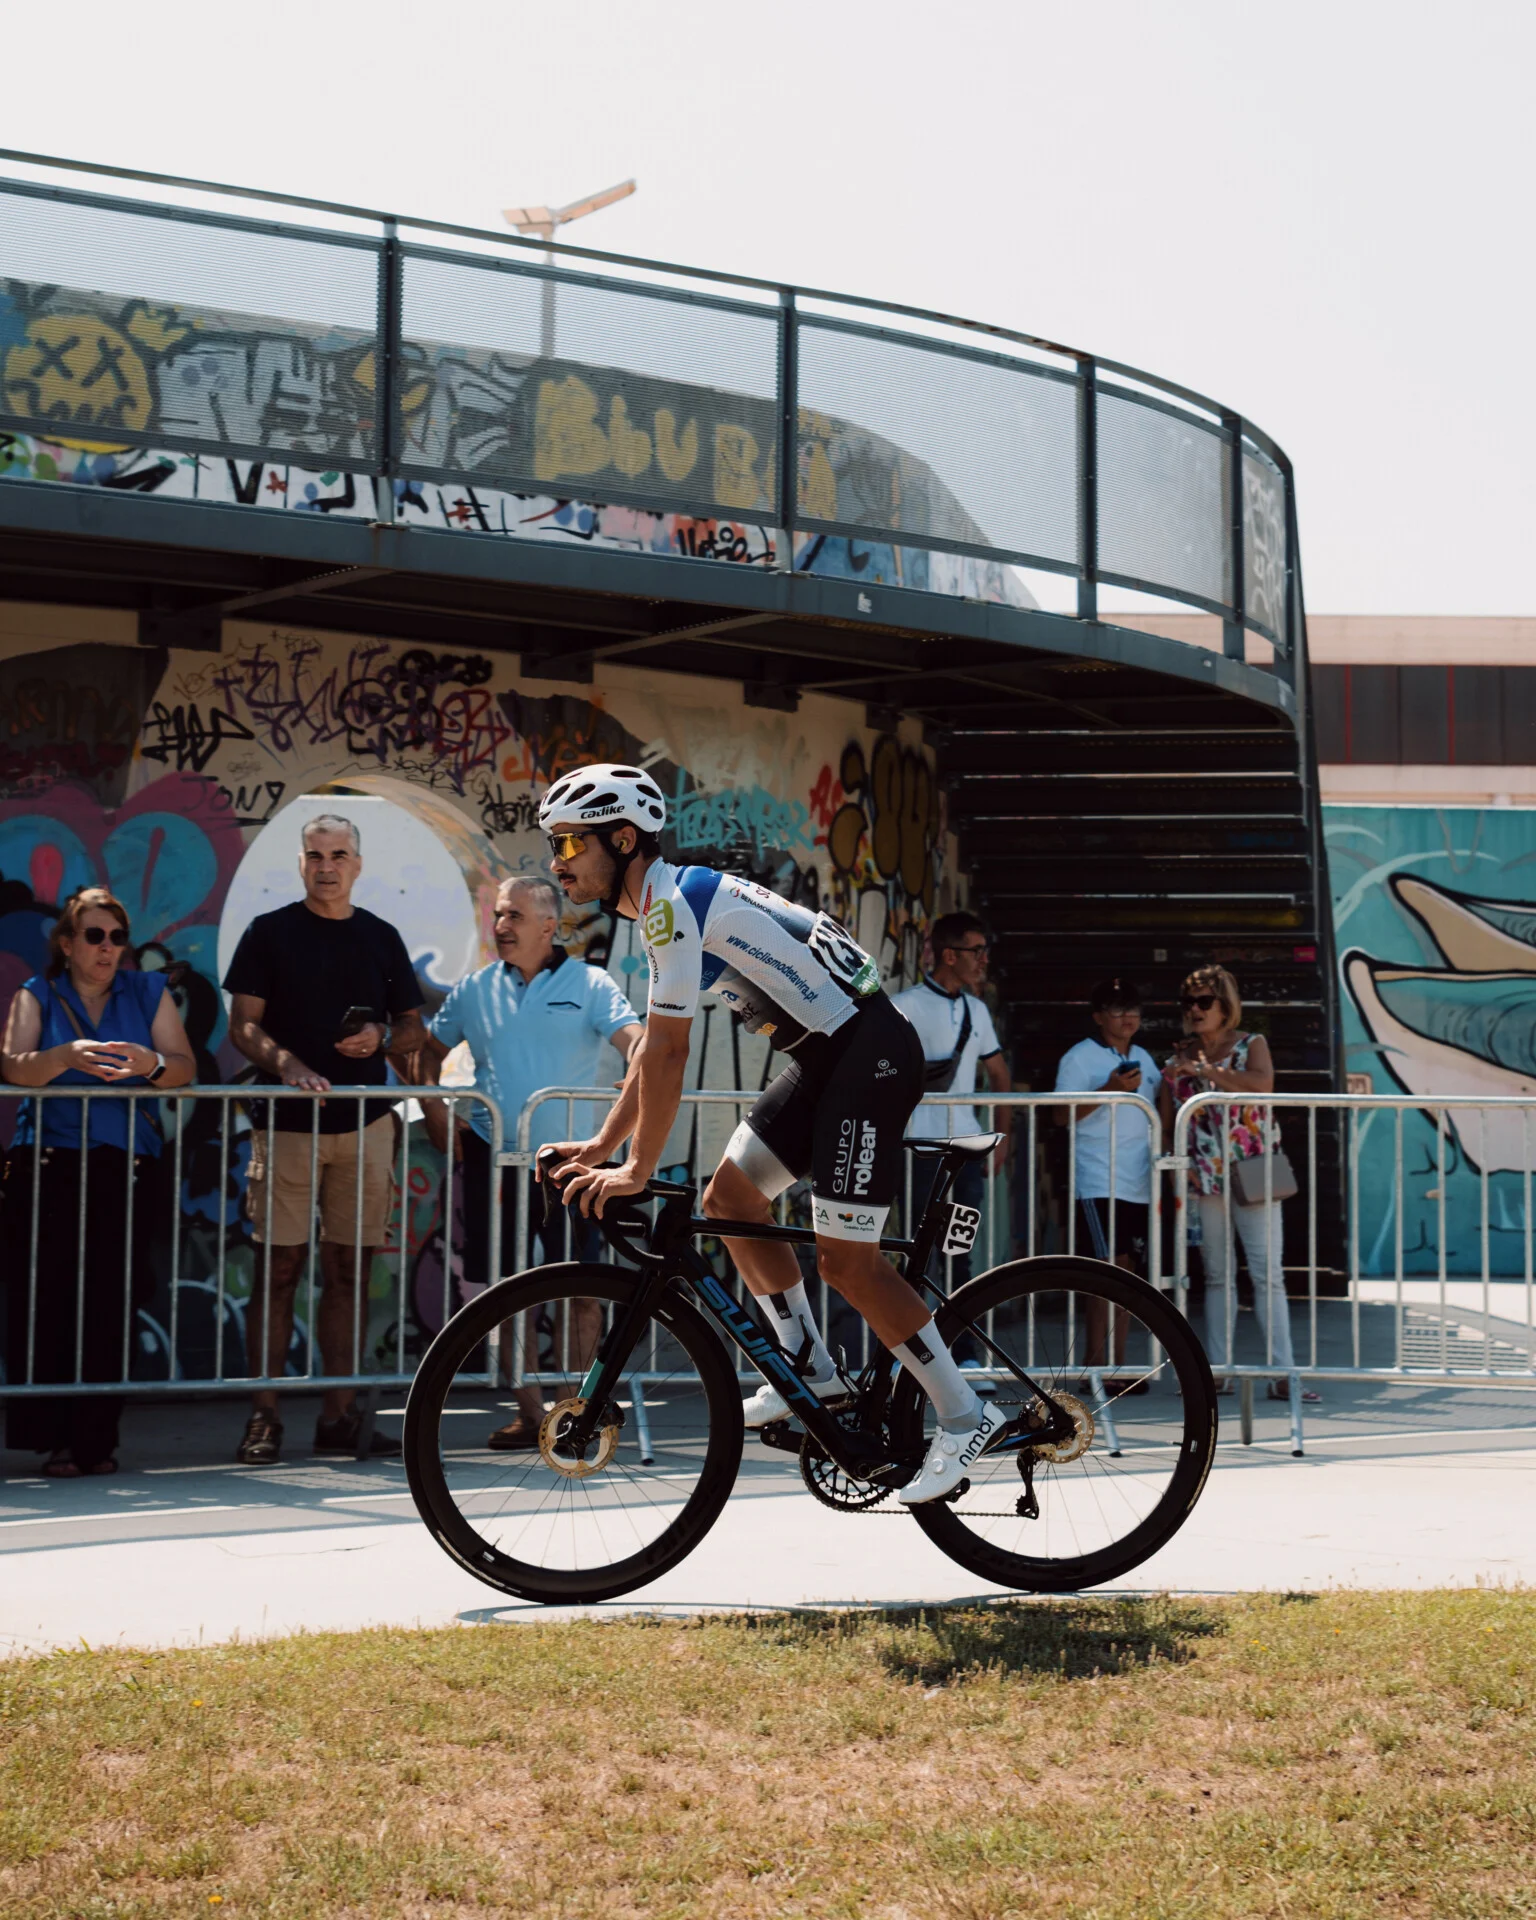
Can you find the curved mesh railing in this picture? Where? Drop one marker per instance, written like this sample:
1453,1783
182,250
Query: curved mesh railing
411,355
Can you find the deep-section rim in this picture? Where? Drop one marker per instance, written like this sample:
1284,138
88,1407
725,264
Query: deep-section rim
434,1380
1051,1273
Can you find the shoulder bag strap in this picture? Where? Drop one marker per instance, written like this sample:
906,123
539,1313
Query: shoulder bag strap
69,1013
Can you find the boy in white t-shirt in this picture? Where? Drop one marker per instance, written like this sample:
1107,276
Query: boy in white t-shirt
1109,1062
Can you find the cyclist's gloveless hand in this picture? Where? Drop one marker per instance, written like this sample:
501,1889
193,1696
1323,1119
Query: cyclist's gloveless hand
561,1158
591,1188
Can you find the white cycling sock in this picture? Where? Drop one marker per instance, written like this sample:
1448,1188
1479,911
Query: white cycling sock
931,1363
793,1322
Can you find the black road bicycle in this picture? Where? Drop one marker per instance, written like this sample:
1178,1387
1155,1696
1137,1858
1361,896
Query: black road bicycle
1110,1402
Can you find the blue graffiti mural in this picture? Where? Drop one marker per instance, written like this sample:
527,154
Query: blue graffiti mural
1435,915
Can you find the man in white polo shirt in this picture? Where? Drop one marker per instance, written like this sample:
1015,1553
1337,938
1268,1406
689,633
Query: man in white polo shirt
533,1018
1109,1062
959,1040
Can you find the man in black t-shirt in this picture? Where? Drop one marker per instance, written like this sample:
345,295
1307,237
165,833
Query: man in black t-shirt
296,976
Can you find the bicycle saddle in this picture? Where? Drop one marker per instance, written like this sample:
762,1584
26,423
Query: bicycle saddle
965,1146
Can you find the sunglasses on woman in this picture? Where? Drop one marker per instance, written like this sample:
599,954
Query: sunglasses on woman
566,846
1198,1002
93,936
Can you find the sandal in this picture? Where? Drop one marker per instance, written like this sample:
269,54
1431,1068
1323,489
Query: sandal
262,1440
519,1435
61,1467
1280,1390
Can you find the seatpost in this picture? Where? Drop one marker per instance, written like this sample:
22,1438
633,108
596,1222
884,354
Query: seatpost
927,1232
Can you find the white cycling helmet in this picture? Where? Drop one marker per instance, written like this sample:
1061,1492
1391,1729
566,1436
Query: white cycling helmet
604,796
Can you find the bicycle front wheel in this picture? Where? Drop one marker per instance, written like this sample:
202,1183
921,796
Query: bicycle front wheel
1126,1364
536,1522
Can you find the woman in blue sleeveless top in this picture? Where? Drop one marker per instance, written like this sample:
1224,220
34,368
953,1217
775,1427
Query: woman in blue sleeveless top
86,1022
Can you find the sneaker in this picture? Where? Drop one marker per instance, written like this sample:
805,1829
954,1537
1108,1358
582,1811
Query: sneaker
340,1436
951,1456
262,1440
768,1404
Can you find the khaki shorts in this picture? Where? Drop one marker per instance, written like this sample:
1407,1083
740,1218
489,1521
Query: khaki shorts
293,1204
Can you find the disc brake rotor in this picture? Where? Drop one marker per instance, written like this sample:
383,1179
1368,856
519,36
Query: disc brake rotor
552,1430
1063,1452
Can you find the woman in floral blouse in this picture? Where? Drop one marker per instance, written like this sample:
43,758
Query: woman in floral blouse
1216,1057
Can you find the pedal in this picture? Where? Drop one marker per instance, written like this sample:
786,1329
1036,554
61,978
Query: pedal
782,1435
955,1493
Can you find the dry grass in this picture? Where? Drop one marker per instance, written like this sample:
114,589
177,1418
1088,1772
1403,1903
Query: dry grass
1337,1756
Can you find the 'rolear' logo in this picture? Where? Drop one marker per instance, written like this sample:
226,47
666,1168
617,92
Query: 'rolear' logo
864,1162
855,1155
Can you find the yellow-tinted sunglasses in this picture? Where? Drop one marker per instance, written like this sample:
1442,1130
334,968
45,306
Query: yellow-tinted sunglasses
566,846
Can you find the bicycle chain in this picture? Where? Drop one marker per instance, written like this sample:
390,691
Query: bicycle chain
780,1431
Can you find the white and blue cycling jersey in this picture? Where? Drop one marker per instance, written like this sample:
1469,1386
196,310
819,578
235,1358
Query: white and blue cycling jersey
784,970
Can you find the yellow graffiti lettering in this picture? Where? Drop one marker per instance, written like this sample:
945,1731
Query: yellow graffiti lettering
566,436
676,457
630,448
158,328
818,486
736,481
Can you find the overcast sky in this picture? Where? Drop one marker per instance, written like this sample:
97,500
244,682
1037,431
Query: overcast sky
1316,213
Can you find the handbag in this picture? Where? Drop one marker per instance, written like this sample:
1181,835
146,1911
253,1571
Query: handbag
1248,1178
939,1075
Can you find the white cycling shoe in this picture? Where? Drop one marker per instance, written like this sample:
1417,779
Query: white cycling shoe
951,1457
768,1405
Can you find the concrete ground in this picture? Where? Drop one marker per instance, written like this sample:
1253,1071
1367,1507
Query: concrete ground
1403,1486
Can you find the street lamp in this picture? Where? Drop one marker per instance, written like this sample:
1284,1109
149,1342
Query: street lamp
541,223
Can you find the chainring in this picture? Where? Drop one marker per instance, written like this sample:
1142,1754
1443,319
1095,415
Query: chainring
834,1488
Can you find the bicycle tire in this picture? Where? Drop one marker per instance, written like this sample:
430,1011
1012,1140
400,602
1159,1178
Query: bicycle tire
472,1544
1005,1293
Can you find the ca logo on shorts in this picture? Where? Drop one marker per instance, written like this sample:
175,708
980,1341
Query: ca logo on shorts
657,925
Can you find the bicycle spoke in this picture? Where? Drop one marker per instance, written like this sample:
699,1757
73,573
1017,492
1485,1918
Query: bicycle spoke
1126,1474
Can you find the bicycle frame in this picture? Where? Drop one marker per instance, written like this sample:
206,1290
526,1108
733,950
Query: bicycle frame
669,1258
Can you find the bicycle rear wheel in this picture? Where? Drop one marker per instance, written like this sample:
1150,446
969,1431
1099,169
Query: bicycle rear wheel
530,1523
1123,1486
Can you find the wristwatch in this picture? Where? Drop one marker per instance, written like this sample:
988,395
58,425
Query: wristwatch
389,1034
159,1069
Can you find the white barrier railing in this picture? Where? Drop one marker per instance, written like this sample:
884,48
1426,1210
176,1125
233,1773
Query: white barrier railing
1469,1319
226,1263
1385,1326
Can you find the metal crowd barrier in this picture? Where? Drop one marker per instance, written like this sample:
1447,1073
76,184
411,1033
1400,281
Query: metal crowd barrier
193,1258
1462,1322
1398,1325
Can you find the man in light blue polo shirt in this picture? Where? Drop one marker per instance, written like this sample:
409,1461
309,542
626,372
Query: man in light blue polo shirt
533,1018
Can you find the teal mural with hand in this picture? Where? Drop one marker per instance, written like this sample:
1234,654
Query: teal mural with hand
1435,920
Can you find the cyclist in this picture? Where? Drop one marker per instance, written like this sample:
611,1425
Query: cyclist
837,1111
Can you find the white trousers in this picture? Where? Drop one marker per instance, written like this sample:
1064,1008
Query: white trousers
1263,1251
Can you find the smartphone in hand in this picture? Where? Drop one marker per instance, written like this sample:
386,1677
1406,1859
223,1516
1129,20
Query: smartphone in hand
353,1021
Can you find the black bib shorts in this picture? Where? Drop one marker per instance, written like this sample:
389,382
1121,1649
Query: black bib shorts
839,1113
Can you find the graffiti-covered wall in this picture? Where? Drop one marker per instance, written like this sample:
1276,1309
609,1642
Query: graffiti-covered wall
154,772
517,444
1435,918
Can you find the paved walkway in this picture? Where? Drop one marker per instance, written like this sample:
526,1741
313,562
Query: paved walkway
1403,1486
